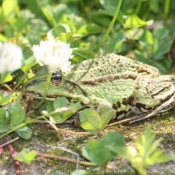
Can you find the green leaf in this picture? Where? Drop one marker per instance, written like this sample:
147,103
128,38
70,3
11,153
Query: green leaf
101,19
4,123
5,77
8,7
4,127
90,120
17,117
147,38
96,152
134,21
48,13
62,114
113,139
3,38
87,54
56,31
106,113
119,44
163,65
48,106
128,153
162,49
25,132
59,11
145,145
60,102
5,99
88,29
93,121
159,157
154,6
29,63
66,37
141,57
3,118
26,156
160,33
108,2
110,11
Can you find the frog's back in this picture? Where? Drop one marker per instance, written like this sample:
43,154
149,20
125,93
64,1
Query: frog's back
108,67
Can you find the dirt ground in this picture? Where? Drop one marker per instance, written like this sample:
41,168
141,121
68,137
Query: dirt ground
50,142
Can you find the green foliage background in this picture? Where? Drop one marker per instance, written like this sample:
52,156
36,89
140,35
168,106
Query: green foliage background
84,23
144,30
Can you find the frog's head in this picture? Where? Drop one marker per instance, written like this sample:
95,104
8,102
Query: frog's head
59,85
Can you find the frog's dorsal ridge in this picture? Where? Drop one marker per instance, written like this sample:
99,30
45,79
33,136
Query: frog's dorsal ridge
110,66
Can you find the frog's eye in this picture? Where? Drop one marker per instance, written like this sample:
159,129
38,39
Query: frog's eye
56,79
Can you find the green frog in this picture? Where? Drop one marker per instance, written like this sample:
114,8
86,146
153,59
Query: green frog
112,85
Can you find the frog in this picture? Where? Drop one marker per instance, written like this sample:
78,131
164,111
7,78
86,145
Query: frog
113,85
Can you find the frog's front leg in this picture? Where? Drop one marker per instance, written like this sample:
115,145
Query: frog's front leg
96,117
162,109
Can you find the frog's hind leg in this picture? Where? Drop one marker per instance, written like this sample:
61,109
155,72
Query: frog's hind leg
162,109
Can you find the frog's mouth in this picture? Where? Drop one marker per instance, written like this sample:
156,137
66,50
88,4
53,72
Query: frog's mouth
50,97
35,89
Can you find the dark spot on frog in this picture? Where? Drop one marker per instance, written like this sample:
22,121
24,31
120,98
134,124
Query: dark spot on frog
141,106
95,107
127,101
34,82
137,88
116,105
121,113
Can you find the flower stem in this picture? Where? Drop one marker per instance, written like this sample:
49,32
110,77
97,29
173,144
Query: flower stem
110,26
46,89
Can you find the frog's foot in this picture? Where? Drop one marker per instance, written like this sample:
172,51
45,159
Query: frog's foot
74,121
160,110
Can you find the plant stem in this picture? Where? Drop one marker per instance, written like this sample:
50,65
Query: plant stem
66,159
139,6
110,25
20,82
46,89
19,126
166,10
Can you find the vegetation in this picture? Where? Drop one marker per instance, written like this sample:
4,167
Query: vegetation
142,30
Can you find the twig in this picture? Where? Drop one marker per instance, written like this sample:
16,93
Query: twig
8,87
13,155
8,142
2,149
119,122
66,159
66,131
76,154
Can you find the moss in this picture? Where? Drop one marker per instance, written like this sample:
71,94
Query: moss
49,142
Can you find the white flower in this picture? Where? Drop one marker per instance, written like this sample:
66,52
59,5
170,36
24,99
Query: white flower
10,57
53,54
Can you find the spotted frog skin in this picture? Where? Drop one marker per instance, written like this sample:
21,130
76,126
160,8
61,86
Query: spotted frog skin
119,83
